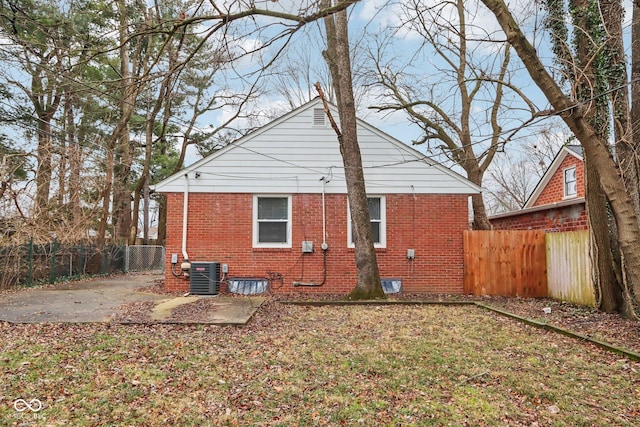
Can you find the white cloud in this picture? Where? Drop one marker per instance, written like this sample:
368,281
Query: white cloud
370,9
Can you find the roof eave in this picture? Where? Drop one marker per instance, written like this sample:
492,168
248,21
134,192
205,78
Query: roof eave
556,205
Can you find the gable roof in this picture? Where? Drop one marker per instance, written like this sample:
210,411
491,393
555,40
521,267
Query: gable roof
567,150
292,154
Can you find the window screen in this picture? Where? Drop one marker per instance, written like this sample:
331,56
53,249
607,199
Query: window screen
273,219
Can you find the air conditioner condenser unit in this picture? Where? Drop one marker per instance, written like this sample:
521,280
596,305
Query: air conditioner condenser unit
204,278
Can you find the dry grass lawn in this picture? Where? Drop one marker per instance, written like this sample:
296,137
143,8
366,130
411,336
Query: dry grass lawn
308,366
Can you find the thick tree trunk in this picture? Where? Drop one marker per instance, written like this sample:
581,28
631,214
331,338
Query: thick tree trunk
46,104
43,174
122,191
75,166
124,151
161,200
368,285
106,194
595,148
480,220
135,212
61,191
612,14
607,287
606,254
118,155
635,79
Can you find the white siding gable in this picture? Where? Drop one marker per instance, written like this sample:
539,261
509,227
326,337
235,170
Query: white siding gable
292,155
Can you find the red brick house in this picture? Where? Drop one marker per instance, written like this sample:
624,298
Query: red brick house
271,210
557,203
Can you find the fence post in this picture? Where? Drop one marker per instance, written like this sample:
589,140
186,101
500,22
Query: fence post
81,261
103,260
123,257
30,278
52,275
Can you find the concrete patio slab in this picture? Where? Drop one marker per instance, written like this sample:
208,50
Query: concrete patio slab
220,310
163,310
97,300
233,310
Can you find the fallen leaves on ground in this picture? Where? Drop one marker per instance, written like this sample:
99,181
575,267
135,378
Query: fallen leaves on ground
608,327
350,365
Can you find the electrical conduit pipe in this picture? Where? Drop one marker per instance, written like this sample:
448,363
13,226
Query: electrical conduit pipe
324,241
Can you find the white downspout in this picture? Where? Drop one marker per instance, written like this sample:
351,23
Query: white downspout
324,220
185,210
325,180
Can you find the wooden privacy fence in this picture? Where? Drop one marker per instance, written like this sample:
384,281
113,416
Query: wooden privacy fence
529,264
506,263
569,267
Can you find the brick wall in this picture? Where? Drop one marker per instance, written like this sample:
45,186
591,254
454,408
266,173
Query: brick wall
220,229
568,218
554,191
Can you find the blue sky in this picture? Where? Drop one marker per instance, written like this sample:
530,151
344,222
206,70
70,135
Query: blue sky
374,16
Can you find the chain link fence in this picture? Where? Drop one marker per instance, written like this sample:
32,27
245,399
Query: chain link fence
144,258
36,263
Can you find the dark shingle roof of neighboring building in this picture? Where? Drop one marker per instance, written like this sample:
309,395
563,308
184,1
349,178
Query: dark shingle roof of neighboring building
576,149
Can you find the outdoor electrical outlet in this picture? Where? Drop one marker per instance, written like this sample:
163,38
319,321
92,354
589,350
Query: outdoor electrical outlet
174,258
411,253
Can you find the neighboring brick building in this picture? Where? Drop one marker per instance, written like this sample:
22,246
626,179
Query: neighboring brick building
266,206
557,203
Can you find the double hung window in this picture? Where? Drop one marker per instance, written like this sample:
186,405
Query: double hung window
570,182
377,214
272,221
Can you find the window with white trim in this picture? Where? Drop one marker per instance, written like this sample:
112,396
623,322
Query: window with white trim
272,221
570,182
377,213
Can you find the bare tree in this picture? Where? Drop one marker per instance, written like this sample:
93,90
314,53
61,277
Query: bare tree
216,18
513,175
301,66
104,77
368,285
37,45
541,153
635,73
467,115
592,61
578,115
510,183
